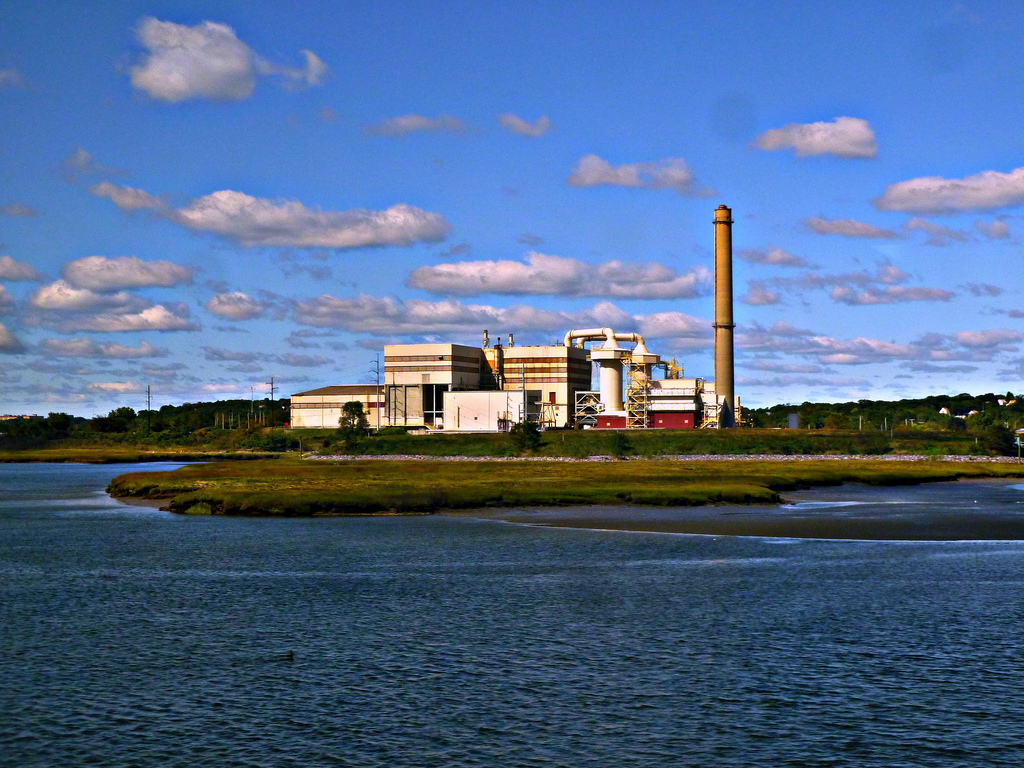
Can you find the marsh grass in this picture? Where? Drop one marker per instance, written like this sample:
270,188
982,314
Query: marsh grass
120,455
291,488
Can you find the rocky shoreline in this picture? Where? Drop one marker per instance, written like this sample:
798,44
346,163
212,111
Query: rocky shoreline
680,457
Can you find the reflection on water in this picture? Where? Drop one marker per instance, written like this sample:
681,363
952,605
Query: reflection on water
132,637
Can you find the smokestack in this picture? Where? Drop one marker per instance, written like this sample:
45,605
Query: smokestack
724,388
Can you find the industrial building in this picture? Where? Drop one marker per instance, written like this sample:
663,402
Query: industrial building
461,388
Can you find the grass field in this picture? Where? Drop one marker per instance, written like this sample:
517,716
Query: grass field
288,487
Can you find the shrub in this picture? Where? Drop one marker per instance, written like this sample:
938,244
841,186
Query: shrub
524,436
619,445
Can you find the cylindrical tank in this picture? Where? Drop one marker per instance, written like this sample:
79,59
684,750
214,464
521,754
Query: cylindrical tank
611,384
724,387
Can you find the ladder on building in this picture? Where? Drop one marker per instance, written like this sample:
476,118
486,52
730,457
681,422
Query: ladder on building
637,391
711,415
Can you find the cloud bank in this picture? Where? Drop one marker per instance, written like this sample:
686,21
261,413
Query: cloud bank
670,173
397,127
517,125
845,137
255,221
386,316
17,270
542,274
99,273
9,343
937,196
86,347
771,255
208,61
848,228
236,306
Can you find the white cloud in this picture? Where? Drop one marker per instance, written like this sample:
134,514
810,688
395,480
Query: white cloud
238,389
155,318
771,255
759,296
17,210
99,273
890,294
385,316
17,270
515,124
863,288
86,347
890,274
984,289
236,306
11,78
296,78
303,361
937,233
256,221
6,301
406,124
997,337
63,297
846,137
129,199
965,346
116,387
997,230
670,173
848,228
935,195
9,343
81,163
208,61
542,274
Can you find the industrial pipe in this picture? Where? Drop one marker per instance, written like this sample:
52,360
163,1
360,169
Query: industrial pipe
609,359
589,334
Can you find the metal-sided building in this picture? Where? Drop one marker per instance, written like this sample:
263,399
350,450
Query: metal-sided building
321,408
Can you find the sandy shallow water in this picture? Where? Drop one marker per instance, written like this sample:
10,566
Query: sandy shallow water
968,510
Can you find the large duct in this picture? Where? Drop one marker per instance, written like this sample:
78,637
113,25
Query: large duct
724,387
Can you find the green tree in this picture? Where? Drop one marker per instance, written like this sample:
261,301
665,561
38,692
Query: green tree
836,421
999,440
352,426
619,445
525,436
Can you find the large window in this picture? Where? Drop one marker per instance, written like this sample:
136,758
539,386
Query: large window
433,403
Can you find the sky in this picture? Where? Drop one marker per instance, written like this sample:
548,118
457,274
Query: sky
197,197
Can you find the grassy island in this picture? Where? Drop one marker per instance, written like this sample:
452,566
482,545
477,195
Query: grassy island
287,487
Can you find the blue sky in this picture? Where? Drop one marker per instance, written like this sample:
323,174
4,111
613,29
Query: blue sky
199,196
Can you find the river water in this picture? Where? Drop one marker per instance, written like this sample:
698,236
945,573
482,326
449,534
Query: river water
129,636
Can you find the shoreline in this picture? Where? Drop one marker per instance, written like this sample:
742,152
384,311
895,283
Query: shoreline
389,486
780,457
850,512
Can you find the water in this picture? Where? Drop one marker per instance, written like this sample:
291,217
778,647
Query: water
129,636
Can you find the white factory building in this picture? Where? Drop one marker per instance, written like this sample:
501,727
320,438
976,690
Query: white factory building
460,388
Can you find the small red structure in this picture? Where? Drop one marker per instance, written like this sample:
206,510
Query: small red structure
672,420
657,420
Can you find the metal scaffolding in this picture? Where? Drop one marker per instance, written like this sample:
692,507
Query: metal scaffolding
637,390
588,406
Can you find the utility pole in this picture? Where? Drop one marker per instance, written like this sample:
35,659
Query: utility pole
376,368
271,406
524,392
149,409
